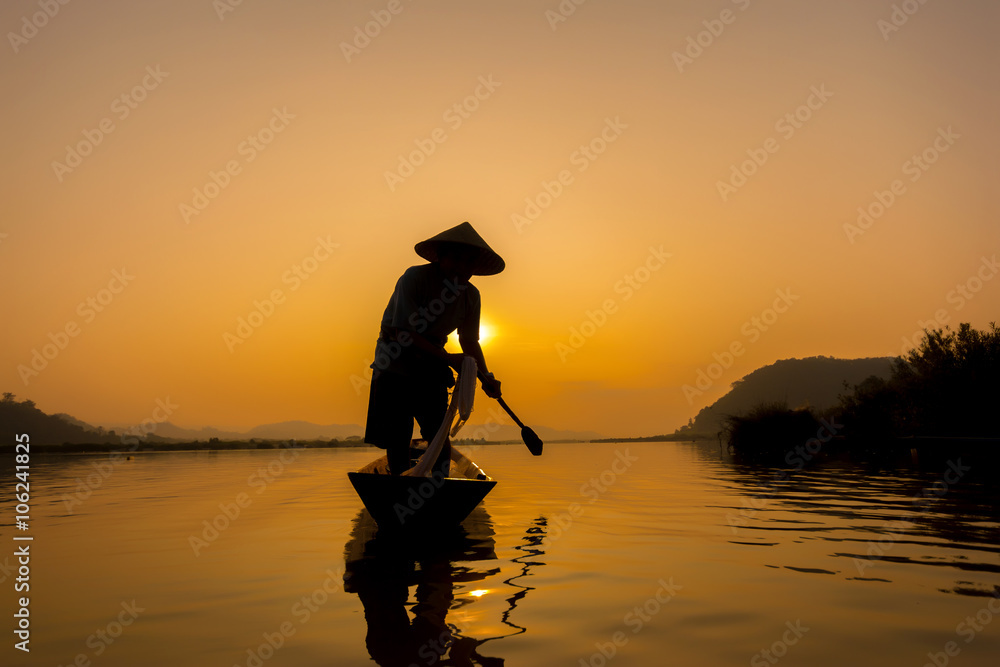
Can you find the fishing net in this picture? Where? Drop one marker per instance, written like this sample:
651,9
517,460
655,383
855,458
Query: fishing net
460,407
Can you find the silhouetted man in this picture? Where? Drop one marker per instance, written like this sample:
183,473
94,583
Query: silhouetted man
412,371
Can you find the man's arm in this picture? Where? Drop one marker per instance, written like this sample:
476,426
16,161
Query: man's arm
468,339
491,386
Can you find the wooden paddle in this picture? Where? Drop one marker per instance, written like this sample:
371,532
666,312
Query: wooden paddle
530,438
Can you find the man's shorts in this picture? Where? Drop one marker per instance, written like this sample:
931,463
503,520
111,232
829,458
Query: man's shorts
395,401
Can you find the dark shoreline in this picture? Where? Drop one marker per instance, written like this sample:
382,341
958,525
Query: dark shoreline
222,446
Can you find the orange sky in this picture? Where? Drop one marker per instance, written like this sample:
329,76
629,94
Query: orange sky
621,130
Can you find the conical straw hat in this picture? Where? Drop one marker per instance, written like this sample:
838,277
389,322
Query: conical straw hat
487,264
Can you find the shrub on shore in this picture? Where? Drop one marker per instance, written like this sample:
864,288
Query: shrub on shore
770,429
949,385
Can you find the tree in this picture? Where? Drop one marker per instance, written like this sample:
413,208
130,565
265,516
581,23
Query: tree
947,386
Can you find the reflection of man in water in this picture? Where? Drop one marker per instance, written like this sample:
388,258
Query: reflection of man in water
380,569
412,370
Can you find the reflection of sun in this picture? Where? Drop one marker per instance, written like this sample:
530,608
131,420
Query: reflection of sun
486,332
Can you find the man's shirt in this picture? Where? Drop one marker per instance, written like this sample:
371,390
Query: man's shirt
427,303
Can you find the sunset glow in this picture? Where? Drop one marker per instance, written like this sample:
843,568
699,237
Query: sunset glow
215,207
486,332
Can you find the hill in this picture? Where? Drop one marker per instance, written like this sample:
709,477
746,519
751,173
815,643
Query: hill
302,430
817,382
290,430
23,417
509,432
44,429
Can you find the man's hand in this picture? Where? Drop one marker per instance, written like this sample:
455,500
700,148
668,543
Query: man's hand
491,386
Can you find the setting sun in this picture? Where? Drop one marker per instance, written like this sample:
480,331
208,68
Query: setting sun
486,332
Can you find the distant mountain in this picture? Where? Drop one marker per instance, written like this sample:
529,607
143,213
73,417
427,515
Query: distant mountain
817,382
546,433
290,430
512,432
24,417
179,433
17,417
300,430
69,419
303,430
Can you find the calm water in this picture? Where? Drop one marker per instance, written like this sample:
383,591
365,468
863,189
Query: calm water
653,554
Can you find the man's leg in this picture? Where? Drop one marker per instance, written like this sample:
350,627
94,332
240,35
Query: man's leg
399,458
390,419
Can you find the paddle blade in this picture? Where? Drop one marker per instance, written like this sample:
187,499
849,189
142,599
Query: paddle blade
532,440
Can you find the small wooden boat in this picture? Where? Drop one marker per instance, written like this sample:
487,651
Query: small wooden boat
403,502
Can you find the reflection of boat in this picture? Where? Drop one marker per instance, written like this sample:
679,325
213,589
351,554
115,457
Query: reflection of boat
415,589
410,502
383,567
